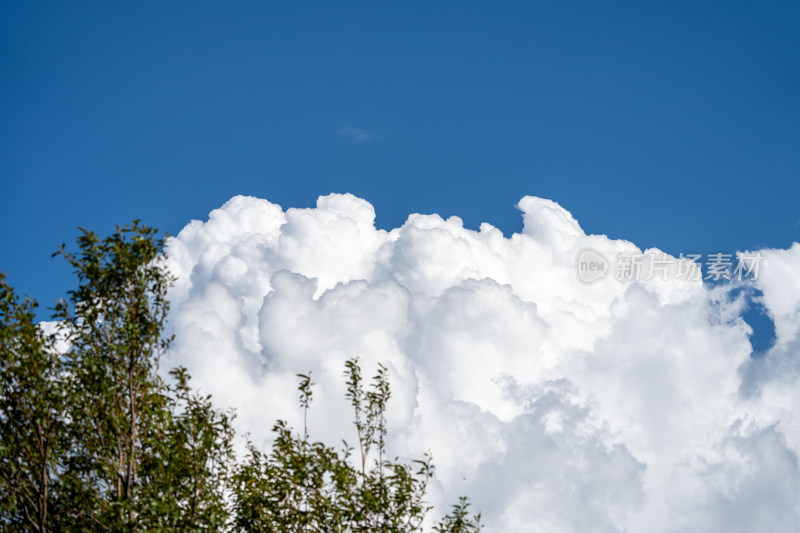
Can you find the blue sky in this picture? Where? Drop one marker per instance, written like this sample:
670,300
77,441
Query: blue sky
673,124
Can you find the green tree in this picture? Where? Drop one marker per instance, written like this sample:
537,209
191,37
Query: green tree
32,417
303,486
186,463
113,323
459,520
144,455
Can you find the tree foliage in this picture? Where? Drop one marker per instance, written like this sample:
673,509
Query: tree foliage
33,417
93,439
305,486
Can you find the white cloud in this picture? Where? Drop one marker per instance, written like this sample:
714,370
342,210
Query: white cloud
355,135
557,406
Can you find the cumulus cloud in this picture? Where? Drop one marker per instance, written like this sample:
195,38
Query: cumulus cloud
558,406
